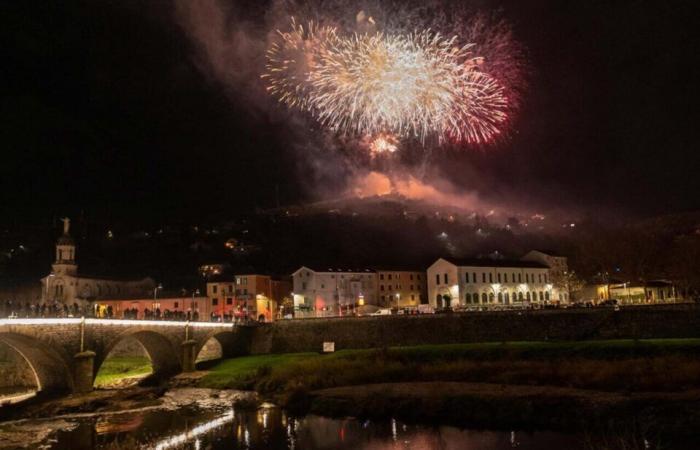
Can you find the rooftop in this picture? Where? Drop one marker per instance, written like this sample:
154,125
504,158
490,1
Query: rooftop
488,262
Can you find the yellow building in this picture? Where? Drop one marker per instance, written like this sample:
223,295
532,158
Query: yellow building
401,288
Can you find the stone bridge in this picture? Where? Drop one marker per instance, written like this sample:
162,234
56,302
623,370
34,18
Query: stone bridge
66,354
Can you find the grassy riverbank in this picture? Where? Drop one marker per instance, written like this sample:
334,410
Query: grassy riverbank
116,369
602,384
622,365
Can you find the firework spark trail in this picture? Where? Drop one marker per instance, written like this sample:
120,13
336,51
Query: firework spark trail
416,85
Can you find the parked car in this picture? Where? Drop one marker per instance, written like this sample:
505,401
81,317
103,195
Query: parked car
382,312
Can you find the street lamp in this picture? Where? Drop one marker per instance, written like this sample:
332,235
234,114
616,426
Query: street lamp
192,308
155,297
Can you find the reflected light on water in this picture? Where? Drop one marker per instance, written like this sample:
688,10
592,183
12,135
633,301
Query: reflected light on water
179,439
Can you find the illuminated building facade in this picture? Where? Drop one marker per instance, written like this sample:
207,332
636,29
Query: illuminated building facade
488,283
64,285
401,288
330,291
247,296
181,307
558,272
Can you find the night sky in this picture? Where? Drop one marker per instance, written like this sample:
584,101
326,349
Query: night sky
106,109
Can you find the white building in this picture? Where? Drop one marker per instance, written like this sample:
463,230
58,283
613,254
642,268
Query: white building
65,286
322,291
487,282
558,272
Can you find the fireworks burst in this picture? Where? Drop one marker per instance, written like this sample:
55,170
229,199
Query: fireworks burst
383,143
415,85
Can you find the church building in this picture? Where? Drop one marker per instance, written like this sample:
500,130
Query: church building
64,285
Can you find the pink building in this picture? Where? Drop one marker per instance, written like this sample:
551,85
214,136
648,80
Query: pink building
169,307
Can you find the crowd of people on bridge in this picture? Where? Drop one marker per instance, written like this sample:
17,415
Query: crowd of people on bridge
10,309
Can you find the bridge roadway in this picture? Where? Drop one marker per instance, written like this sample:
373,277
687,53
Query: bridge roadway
65,354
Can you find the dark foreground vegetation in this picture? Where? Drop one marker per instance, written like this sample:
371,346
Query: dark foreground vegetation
652,384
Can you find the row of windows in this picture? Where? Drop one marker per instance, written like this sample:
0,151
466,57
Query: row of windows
393,297
529,277
229,289
215,301
500,278
398,276
399,287
505,297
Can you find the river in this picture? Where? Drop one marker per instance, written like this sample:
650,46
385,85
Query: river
198,419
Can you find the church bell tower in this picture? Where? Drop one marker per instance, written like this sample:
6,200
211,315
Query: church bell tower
65,253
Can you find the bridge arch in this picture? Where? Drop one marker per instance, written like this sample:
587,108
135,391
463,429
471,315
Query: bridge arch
49,369
221,343
162,351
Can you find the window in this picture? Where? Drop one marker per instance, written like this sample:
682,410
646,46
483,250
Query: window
541,295
499,277
473,277
381,276
411,287
437,278
546,295
390,276
303,286
214,301
528,296
483,278
229,301
214,289
466,278
520,296
490,278
491,297
527,277
505,276
500,297
417,276
381,287
484,298
412,297
389,287
176,305
520,278
230,288
323,286
445,278
507,297
540,277
410,277
382,298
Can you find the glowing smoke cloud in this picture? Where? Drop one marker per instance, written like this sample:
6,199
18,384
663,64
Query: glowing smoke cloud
416,85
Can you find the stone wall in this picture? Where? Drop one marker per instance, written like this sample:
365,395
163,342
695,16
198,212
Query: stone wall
14,370
668,321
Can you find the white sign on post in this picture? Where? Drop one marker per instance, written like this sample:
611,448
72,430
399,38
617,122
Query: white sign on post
328,347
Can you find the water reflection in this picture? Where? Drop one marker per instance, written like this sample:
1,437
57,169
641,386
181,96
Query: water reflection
271,428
